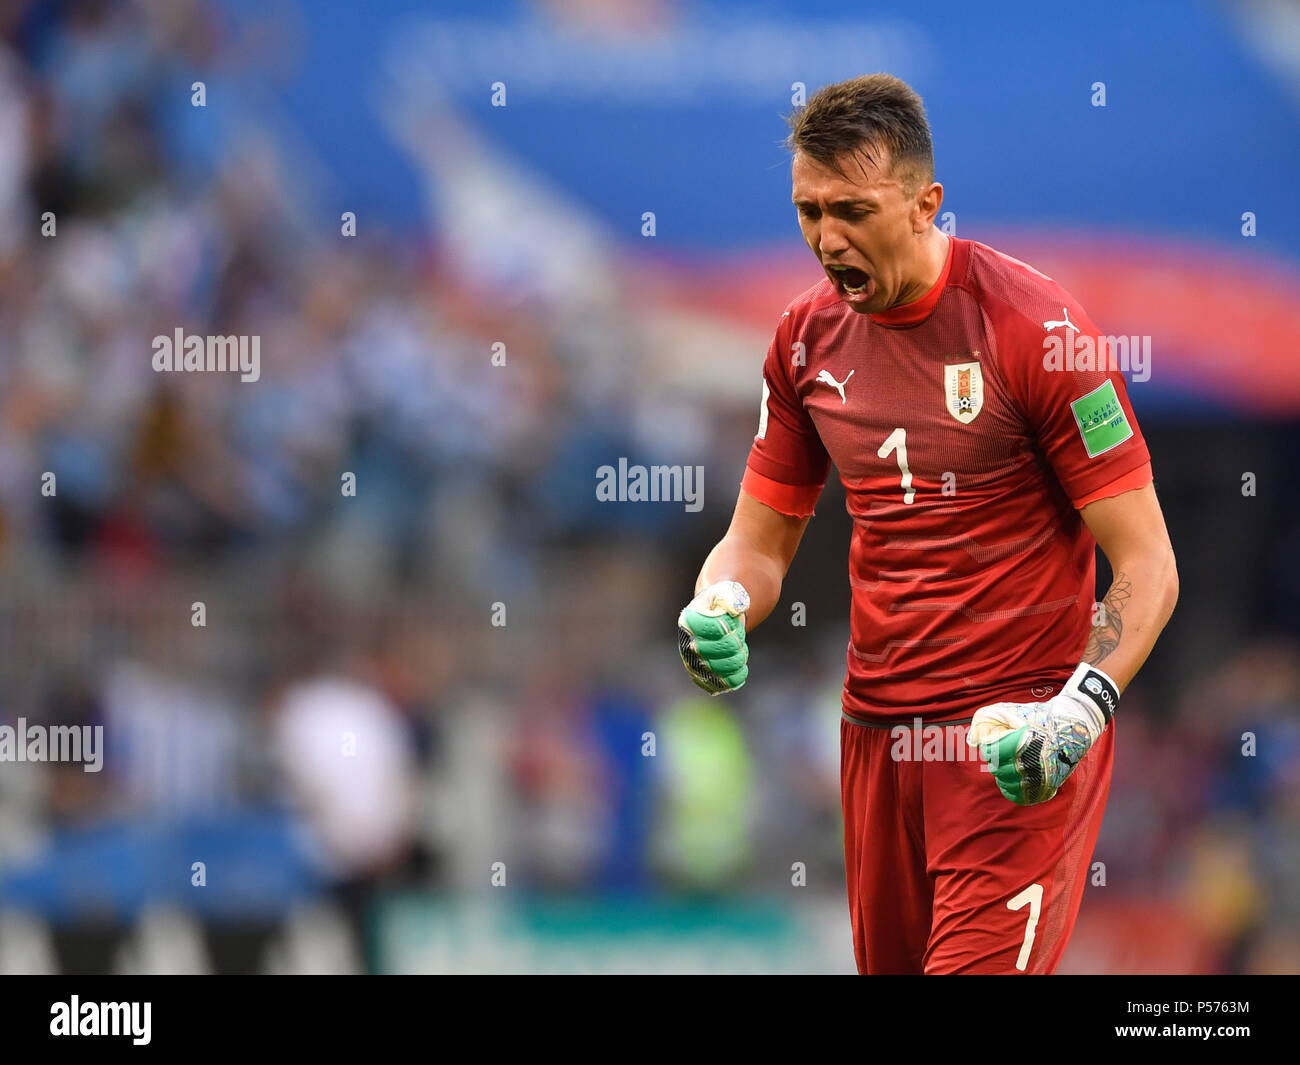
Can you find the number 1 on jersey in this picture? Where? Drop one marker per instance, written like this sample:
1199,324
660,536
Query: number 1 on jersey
897,441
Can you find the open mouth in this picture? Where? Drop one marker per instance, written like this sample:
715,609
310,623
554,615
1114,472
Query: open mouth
850,280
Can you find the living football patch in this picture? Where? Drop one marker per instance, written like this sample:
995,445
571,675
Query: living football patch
1101,419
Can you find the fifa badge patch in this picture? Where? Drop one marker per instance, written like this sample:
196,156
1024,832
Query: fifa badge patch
1101,420
963,388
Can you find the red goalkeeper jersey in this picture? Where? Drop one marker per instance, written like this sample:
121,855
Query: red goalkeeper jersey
967,427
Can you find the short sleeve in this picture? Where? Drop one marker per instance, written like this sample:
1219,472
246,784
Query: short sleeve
787,464
1068,383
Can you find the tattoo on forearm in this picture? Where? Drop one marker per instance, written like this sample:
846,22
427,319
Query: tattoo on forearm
1108,621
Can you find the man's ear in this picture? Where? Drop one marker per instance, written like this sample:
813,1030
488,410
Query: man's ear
928,200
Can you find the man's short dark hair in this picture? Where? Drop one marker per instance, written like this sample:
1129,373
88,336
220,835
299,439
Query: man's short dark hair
864,115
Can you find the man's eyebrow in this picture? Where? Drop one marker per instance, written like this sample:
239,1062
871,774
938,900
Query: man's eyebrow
846,202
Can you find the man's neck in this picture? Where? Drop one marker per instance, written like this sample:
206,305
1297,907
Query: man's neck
933,254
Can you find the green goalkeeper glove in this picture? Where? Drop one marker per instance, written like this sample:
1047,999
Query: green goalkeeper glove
711,637
1032,748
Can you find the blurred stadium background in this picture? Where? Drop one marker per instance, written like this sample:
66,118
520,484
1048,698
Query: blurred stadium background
522,226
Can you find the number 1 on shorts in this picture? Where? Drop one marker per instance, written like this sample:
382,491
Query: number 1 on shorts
1033,895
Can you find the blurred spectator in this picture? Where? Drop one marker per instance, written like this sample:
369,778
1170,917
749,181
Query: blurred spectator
346,756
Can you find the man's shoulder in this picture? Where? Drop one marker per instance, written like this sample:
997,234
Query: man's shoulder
815,299
1012,291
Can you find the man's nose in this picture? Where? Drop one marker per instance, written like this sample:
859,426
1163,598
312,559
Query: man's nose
831,239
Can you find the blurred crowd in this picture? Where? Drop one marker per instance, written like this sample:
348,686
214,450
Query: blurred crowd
432,674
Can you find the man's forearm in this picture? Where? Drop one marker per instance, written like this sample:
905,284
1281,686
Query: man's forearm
733,559
1134,611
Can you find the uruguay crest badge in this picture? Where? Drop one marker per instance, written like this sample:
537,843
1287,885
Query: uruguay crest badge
963,386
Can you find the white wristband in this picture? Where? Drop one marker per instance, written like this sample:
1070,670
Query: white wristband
1094,688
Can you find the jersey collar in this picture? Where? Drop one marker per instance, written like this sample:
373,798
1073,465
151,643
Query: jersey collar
919,309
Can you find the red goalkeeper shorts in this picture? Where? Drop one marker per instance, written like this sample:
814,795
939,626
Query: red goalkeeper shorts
947,876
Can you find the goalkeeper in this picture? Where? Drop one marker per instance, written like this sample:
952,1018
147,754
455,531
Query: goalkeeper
982,468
